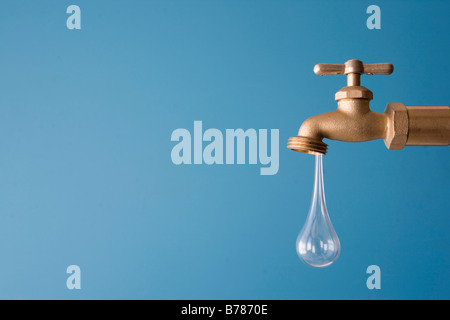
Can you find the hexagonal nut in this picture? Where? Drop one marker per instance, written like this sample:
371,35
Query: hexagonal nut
397,126
354,92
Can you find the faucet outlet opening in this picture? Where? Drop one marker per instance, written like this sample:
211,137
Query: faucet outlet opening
307,145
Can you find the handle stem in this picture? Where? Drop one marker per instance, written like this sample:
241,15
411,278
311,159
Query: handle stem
353,79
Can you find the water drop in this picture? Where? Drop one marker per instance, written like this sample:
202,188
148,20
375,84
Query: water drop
317,243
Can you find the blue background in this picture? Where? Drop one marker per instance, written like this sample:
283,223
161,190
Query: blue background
86,176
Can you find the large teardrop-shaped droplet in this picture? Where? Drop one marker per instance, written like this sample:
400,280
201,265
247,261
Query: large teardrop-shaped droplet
317,243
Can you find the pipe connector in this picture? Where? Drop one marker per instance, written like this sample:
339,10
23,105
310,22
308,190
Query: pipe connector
416,126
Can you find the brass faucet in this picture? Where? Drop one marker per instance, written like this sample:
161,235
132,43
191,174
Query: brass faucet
353,121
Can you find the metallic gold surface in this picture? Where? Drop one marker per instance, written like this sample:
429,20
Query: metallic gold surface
428,126
396,126
353,121
307,145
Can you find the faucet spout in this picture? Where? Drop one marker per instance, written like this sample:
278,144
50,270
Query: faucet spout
353,121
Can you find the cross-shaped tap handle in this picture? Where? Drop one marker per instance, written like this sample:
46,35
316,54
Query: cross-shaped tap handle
353,69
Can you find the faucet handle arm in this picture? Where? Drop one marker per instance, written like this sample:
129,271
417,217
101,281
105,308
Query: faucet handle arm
326,69
353,69
378,68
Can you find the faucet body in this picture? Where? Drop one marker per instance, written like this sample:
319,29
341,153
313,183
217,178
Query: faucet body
353,121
